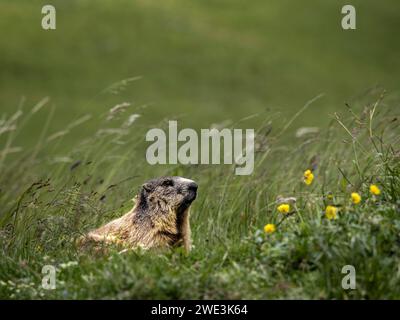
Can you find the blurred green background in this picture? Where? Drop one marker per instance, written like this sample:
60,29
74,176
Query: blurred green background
202,61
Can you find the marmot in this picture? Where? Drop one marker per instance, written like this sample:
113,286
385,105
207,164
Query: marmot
159,218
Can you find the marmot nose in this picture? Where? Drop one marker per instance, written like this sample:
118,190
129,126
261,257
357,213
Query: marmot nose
192,186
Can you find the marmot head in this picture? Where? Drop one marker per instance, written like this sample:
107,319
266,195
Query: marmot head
167,193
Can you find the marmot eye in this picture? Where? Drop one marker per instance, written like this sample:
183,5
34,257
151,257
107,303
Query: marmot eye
168,183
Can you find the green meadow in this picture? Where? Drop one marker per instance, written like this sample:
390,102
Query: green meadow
318,97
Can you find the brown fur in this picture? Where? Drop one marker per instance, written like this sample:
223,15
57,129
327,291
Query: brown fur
160,218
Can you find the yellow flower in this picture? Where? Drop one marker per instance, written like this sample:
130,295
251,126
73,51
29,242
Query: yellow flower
284,208
356,198
331,212
308,177
269,228
374,189
307,173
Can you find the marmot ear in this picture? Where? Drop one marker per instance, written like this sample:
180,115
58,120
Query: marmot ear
146,187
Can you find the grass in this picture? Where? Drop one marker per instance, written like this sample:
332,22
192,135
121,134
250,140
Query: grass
49,198
66,167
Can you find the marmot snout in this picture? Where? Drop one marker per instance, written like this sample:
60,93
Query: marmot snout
160,217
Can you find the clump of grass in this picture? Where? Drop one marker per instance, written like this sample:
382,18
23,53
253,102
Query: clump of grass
303,190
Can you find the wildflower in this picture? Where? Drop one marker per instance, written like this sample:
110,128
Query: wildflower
284,208
356,198
308,177
269,228
331,212
374,189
